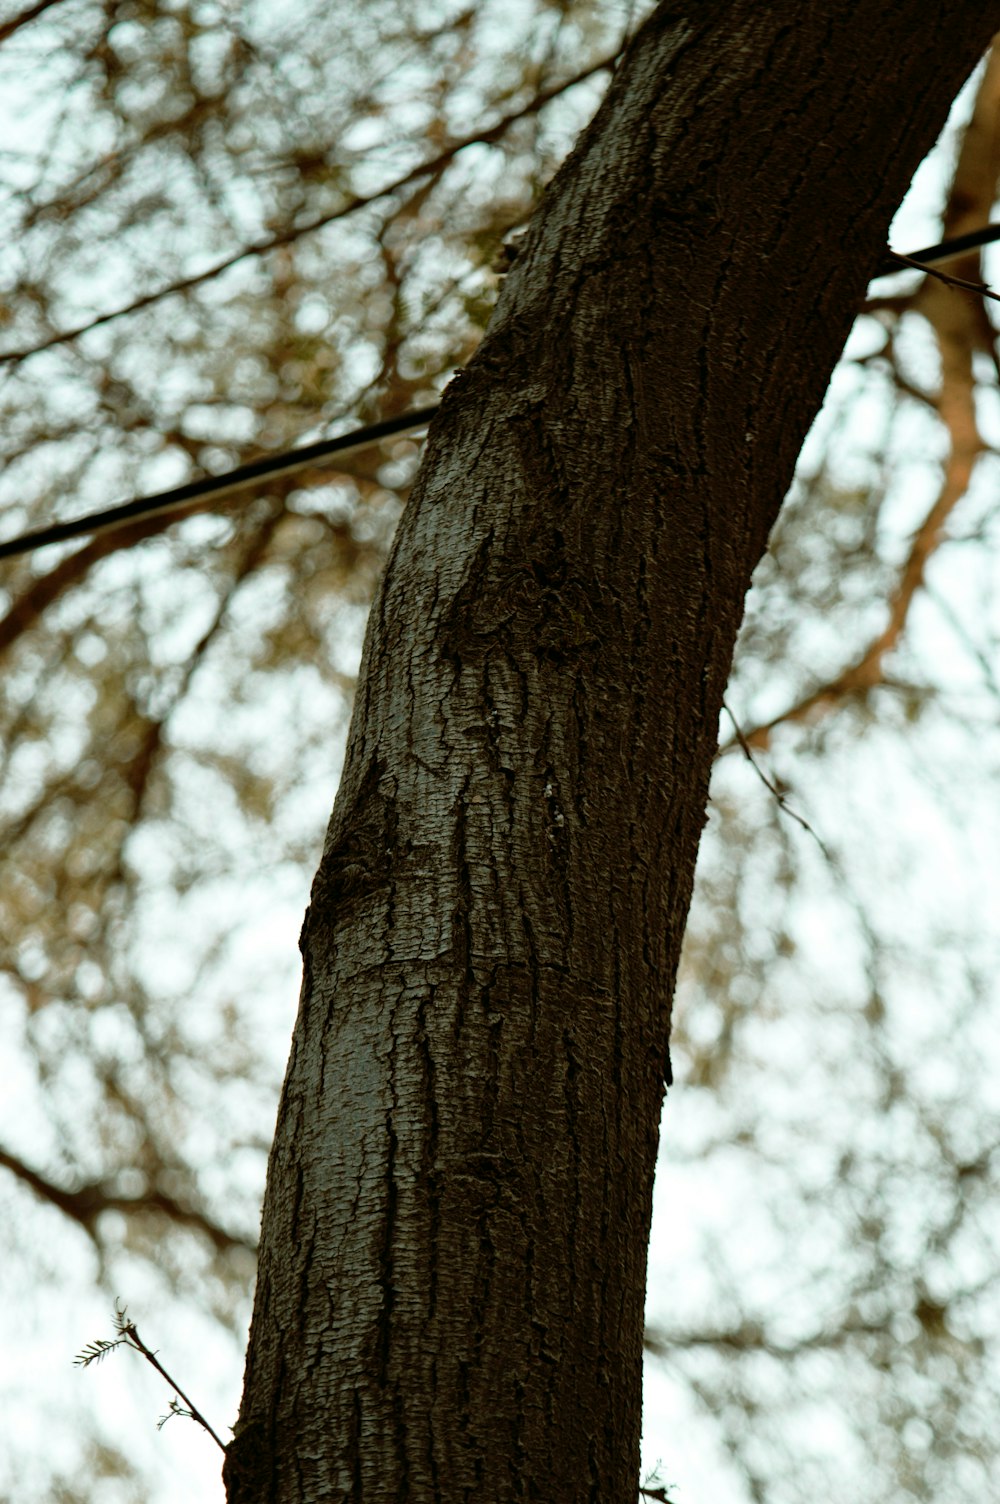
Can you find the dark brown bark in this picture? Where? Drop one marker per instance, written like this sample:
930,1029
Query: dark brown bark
450,1301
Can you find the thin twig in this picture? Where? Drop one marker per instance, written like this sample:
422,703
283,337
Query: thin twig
128,1336
932,271
772,787
130,1330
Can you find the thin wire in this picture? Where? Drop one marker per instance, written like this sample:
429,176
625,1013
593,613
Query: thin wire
181,498
217,487
943,251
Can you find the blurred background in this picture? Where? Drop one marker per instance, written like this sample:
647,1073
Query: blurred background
231,228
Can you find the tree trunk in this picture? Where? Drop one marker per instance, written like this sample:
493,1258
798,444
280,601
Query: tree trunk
452,1273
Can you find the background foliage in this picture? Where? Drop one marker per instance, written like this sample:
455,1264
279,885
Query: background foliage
229,228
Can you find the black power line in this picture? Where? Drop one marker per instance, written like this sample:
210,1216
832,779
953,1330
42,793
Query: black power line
180,498
943,251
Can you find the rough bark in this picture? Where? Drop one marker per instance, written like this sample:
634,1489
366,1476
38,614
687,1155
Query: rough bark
452,1275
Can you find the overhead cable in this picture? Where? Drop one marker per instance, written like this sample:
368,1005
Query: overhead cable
214,487
172,503
945,250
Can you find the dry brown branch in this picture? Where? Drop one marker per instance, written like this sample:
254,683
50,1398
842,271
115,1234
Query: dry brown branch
26,609
42,592
962,328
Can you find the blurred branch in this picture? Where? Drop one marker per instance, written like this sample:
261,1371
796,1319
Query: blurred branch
292,233
967,640
751,1337
26,609
31,13
962,328
88,1202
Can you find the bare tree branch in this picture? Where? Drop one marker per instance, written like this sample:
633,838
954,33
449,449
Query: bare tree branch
962,328
89,1201
292,233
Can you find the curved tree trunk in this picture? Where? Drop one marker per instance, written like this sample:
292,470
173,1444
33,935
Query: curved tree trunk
452,1275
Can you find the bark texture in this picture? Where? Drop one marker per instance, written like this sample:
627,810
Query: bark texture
452,1275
